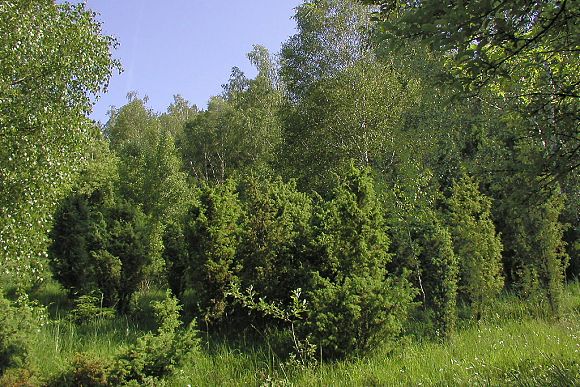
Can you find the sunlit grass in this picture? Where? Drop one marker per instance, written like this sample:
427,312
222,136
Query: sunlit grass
513,345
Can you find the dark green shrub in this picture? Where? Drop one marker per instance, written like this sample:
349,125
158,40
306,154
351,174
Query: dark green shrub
476,245
439,268
354,303
128,240
538,254
79,229
275,237
212,233
176,256
101,248
423,248
108,276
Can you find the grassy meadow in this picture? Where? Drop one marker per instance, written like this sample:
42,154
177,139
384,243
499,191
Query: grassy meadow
515,344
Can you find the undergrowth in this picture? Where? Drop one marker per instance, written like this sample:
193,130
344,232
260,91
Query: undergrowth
515,344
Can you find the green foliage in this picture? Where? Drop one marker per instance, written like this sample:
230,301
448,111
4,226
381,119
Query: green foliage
119,212
149,167
85,370
176,256
151,358
356,115
88,308
210,151
476,245
540,259
19,321
275,237
178,114
47,83
240,131
441,272
423,249
213,233
128,240
72,243
355,304
155,356
99,247
522,53
304,352
332,36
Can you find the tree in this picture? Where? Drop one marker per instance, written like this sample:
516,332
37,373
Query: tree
274,246
150,170
100,244
354,304
332,36
524,53
129,243
476,245
210,151
422,247
54,62
212,233
536,255
178,114
356,115
240,131
440,271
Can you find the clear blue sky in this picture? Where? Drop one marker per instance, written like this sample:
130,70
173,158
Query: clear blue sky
186,47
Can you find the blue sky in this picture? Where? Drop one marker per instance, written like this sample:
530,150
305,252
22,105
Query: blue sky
186,47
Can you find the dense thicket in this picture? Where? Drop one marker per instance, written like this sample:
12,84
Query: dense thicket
351,184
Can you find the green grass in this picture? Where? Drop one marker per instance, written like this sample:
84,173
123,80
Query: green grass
515,345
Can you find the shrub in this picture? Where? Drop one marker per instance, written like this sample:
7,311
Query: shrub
212,233
146,362
100,247
424,249
176,256
275,237
19,377
128,240
18,322
440,274
156,355
79,229
85,370
476,245
539,255
354,303
88,308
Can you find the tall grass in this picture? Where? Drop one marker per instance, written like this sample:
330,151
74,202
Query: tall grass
516,344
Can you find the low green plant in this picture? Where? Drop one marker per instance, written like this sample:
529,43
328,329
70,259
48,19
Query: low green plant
89,308
156,355
147,361
19,377
86,369
18,322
